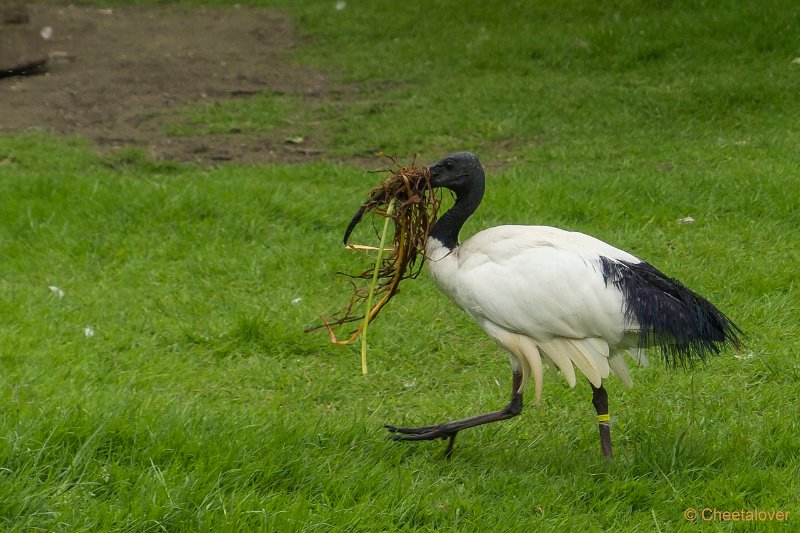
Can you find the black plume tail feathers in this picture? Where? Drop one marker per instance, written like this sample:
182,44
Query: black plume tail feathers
682,323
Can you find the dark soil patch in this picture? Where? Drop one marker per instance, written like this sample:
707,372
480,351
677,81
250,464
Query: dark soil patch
115,74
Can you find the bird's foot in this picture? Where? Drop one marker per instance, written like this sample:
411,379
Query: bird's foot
439,431
449,430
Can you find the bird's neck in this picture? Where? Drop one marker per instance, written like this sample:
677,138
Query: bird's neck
446,229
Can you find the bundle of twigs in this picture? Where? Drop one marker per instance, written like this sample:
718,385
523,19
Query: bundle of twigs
407,200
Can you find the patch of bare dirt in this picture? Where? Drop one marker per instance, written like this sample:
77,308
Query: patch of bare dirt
113,73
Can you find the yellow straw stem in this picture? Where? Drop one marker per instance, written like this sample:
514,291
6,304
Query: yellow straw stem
389,212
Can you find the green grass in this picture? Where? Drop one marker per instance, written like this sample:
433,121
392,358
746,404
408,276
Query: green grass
200,404
260,113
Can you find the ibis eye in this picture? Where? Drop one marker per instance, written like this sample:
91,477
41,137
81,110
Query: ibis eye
449,164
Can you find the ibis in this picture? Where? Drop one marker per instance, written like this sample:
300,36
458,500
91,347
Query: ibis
561,298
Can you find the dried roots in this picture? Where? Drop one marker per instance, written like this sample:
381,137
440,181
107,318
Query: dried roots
408,200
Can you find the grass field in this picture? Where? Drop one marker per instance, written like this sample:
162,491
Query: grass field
154,373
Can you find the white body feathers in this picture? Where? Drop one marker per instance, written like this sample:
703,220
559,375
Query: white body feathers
540,293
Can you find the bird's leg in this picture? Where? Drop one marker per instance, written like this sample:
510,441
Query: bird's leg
600,401
448,430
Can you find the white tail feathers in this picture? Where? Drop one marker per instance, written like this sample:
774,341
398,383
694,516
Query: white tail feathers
591,355
563,363
531,354
527,355
618,367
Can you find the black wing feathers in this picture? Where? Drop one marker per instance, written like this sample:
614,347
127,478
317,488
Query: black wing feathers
681,322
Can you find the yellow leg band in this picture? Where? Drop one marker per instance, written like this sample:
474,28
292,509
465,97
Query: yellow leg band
604,418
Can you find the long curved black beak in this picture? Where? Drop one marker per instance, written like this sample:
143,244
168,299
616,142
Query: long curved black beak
357,217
